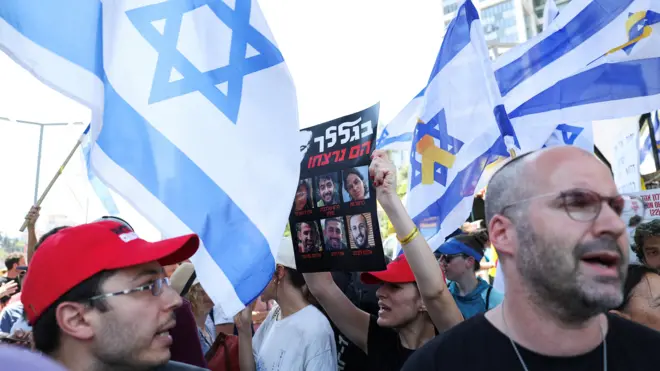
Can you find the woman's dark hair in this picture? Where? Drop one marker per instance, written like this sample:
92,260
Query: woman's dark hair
636,272
115,219
475,241
642,232
298,281
308,203
46,331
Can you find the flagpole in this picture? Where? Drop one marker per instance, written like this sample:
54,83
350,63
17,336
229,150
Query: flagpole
654,143
57,175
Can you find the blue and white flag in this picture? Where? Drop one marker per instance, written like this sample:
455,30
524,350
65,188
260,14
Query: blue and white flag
460,130
622,80
397,134
102,192
584,32
194,119
577,134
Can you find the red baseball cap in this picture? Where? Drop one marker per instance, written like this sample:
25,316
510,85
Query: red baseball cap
398,271
92,248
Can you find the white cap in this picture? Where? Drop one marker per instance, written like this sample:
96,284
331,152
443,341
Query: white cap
285,255
181,276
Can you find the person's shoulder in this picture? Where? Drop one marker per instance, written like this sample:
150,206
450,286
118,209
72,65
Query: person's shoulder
455,343
312,314
178,366
627,329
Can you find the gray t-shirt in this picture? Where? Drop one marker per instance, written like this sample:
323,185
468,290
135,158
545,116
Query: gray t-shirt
177,366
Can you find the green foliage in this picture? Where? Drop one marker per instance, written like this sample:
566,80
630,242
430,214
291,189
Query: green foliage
9,245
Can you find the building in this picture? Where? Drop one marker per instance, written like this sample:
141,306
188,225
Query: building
506,22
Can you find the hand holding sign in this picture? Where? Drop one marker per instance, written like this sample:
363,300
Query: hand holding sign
383,174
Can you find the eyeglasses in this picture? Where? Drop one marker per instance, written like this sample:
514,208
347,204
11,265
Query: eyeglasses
583,205
447,258
157,286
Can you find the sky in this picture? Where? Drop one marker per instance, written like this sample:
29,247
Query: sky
343,55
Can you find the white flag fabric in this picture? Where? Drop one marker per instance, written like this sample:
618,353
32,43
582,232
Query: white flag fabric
194,119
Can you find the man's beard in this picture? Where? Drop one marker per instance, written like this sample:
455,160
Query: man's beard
553,275
334,243
327,197
363,243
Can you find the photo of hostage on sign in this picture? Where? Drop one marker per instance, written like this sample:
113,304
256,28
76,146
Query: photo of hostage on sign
362,236
333,209
642,217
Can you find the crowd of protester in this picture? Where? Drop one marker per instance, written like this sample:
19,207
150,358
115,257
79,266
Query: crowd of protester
97,297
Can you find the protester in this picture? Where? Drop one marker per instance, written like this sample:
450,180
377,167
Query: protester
10,314
349,356
641,296
410,304
113,308
459,259
647,243
13,358
554,218
12,262
295,334
186,284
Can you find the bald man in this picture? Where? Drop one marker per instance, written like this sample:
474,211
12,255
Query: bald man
554,218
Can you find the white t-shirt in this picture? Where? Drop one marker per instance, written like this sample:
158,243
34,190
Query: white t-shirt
301,341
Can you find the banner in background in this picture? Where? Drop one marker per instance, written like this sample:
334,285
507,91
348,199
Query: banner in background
651,199
334,224
625,166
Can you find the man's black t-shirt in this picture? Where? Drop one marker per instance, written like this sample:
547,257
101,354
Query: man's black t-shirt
476,345
384,348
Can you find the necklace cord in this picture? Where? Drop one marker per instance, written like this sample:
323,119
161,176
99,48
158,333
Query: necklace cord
522,362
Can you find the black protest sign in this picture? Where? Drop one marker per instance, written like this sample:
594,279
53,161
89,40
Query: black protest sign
334,225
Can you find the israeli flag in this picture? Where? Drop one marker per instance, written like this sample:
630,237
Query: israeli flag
460,129
194,119
584,32
100,189
619,81
577,134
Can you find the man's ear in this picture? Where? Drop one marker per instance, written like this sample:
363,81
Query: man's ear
72,320
502,234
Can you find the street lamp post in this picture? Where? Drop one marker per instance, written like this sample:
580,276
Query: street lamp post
41,140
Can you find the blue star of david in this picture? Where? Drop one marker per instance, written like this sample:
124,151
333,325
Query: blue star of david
436,128
383,136
238,20
568,133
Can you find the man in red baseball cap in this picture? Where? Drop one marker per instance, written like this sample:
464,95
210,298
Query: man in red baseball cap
97,298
